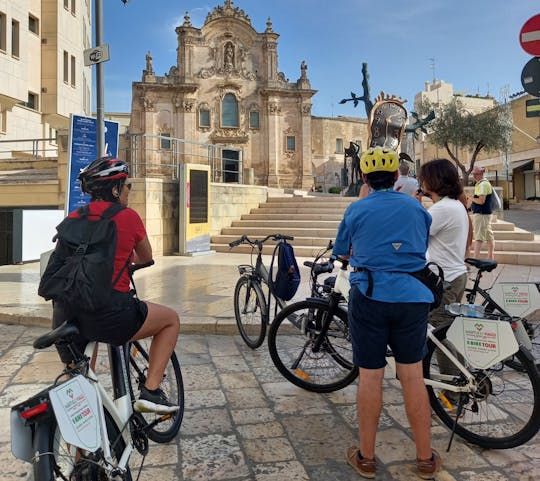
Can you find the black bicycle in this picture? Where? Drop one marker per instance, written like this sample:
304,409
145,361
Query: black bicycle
309,341
252,306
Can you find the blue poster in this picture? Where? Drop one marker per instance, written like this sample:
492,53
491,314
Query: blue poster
82,151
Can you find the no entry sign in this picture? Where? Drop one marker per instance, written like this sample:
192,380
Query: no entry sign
529,37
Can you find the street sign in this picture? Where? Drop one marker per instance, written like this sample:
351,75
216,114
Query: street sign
529,36
532,108
530,77
82,150
96,55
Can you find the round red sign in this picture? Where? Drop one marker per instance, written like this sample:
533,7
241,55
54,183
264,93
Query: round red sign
529,37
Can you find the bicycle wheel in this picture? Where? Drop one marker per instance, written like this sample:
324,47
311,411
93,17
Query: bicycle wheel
250,311
504,409
164,427
291,340
60,460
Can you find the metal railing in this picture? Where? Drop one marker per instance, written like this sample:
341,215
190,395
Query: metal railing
34,148
161,156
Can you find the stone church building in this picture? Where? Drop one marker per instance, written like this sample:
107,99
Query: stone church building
226,90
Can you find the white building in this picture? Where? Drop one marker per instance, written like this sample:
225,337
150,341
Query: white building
42,76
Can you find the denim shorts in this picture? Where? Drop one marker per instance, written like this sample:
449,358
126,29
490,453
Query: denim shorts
374,325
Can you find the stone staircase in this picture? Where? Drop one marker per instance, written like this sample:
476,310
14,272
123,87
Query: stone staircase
314,220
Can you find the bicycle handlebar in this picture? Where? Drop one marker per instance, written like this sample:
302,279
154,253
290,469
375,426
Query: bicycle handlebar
259,242
136,267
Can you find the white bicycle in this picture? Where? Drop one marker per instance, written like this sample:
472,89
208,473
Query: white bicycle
75,430
471,388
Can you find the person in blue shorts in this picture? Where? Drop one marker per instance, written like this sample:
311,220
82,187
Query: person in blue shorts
386,235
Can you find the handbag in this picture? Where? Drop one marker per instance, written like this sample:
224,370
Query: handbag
433,281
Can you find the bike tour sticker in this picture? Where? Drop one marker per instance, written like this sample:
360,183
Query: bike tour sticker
518,299
483,342
75,406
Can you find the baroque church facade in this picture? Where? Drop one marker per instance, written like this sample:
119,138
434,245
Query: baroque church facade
226,90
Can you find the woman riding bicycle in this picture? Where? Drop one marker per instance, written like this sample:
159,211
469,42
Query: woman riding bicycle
126,318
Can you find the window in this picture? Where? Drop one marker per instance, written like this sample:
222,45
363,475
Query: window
73,71
3,31
33,24
66,4
33,101
73,7
229,111
165,144
254,119
339,146
291,143
204,118
66,67
15,38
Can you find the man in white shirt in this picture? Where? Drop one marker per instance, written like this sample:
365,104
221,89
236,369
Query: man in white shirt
405,183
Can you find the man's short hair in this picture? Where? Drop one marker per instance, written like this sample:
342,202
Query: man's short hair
404,168
478,170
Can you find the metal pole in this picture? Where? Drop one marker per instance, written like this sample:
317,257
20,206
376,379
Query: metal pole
99,82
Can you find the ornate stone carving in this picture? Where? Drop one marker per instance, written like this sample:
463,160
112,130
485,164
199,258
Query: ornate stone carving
229,60
306,109
231,136
148,102
228,10
274,108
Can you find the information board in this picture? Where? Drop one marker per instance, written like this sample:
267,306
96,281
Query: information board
82,150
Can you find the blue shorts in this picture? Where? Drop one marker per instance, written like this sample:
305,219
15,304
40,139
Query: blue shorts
374,325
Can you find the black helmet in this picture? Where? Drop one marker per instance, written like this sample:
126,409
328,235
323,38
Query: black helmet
97,175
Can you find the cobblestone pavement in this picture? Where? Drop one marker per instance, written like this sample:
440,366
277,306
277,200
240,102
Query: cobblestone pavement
243,422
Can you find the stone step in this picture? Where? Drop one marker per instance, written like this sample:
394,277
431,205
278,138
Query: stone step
292,217
329,233
301,222
26,176
308,209
298,240
299,251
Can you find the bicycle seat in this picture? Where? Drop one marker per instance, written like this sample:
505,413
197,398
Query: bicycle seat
65,332
482,265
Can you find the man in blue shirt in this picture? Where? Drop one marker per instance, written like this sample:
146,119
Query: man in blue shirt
386,236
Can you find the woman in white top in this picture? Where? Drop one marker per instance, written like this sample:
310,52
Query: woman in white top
449,229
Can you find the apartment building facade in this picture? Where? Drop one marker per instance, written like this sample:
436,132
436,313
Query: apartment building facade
42,75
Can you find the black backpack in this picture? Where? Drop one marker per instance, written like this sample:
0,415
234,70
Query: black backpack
287,278
80,269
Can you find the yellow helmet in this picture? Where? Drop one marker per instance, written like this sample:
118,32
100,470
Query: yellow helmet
379,159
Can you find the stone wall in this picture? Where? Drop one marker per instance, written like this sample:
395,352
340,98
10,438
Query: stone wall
230,201
156,201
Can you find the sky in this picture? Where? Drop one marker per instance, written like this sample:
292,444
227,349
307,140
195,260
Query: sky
473,44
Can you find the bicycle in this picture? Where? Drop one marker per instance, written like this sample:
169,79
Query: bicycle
511,299
251,305
483,401
75,430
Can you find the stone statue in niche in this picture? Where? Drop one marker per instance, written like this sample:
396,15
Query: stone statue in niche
229,56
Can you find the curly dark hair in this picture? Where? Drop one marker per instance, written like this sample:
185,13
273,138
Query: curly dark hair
441,176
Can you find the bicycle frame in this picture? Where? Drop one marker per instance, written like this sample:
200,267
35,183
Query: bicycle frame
91,395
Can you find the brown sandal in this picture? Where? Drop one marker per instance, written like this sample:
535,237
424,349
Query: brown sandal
365,467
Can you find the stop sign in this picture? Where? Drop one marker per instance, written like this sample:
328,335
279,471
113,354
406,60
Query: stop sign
529,37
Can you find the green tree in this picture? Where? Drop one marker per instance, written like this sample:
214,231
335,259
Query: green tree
454,128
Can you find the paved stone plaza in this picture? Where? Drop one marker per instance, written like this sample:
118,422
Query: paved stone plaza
243,422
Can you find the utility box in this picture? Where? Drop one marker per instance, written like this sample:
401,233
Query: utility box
194,211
